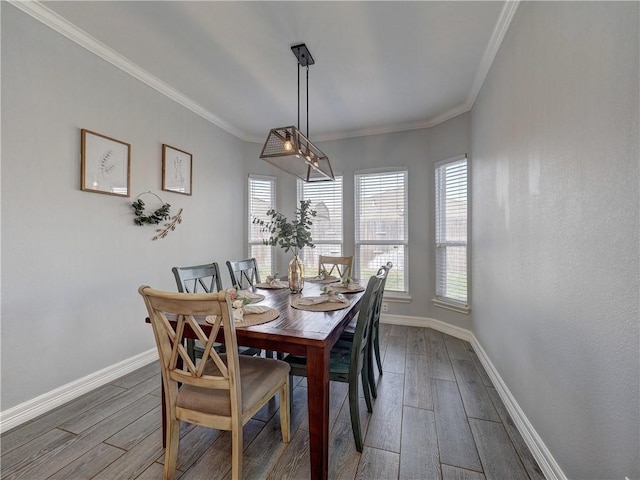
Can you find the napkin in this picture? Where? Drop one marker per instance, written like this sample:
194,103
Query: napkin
322,299
249,309
348,286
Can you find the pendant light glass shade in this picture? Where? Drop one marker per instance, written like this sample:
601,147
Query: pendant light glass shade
289,150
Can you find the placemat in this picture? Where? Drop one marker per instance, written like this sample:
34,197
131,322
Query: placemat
340,289
320,307
251,319
269,286
321,280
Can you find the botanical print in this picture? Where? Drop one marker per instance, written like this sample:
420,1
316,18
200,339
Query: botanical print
105,164
176,170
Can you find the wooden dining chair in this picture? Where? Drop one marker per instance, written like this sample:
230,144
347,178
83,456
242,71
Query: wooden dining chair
202,279
244,273
349,362
340,266
374,347
222,391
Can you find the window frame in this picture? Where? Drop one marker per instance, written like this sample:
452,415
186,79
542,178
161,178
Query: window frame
259,242
359,243
441,300
300,196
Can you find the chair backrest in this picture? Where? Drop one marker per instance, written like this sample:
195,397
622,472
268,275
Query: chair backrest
364,324
177,366
384,272
335,265
244,273
198,279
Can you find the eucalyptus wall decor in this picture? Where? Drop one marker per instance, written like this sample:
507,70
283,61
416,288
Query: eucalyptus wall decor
144,216
105,164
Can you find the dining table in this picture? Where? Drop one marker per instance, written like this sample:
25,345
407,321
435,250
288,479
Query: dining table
305,333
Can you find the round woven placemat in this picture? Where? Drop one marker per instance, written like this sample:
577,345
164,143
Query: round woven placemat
320,307
251,319
321,280
268,286
339,289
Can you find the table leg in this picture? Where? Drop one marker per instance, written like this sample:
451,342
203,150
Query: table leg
318,393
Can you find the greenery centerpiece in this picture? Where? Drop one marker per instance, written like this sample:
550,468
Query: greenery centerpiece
291,235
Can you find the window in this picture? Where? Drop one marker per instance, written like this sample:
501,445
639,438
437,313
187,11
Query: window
326,231
262,197
451,232
381,228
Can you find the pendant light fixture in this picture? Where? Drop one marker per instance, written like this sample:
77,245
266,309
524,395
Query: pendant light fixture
288,148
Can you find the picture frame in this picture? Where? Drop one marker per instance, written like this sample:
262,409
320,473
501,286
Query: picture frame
105,164
177,171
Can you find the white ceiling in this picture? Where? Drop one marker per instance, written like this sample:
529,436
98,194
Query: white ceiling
380,66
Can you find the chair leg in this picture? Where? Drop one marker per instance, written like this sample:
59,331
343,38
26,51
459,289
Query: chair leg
290,395
171,450
285,411
366,385
355,414
236,452
372,377
376,346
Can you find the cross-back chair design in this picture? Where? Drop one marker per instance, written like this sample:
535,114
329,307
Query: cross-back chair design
337,266
222,391
350,361
202,279
347,335
244,273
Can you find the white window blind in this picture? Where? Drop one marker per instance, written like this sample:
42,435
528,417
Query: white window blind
326,231
381,228
451,231
262,197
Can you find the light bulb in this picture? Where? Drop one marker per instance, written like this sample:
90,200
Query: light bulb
288,146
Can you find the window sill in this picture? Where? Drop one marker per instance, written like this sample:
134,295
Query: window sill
396,297
456,307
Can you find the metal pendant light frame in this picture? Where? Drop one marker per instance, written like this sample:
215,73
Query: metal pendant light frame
288,149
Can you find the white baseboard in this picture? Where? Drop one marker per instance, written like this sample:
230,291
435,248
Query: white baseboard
539,450
30,409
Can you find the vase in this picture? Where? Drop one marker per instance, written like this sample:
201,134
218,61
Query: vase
296,274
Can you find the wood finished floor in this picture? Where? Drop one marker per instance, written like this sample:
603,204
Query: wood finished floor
437,416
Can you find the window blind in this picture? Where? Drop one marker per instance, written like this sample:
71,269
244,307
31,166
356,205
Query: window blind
381,227
451,231
262,197
326,231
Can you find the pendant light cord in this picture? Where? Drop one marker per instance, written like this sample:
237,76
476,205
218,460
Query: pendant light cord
307,101
298,68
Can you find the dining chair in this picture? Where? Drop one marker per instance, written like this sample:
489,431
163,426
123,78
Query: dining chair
348,333
333,265
348,362
222,391
244,273
202,279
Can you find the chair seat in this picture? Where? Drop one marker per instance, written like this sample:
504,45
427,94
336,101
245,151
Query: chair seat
257,377
339,362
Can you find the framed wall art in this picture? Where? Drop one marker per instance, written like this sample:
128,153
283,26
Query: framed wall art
176,170
105,164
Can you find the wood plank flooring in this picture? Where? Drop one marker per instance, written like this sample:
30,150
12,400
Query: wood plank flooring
437,416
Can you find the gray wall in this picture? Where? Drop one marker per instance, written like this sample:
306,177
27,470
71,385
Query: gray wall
555,229
418,150
72,261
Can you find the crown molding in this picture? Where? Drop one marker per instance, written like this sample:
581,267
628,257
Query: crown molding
48,17
500,30
54,21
